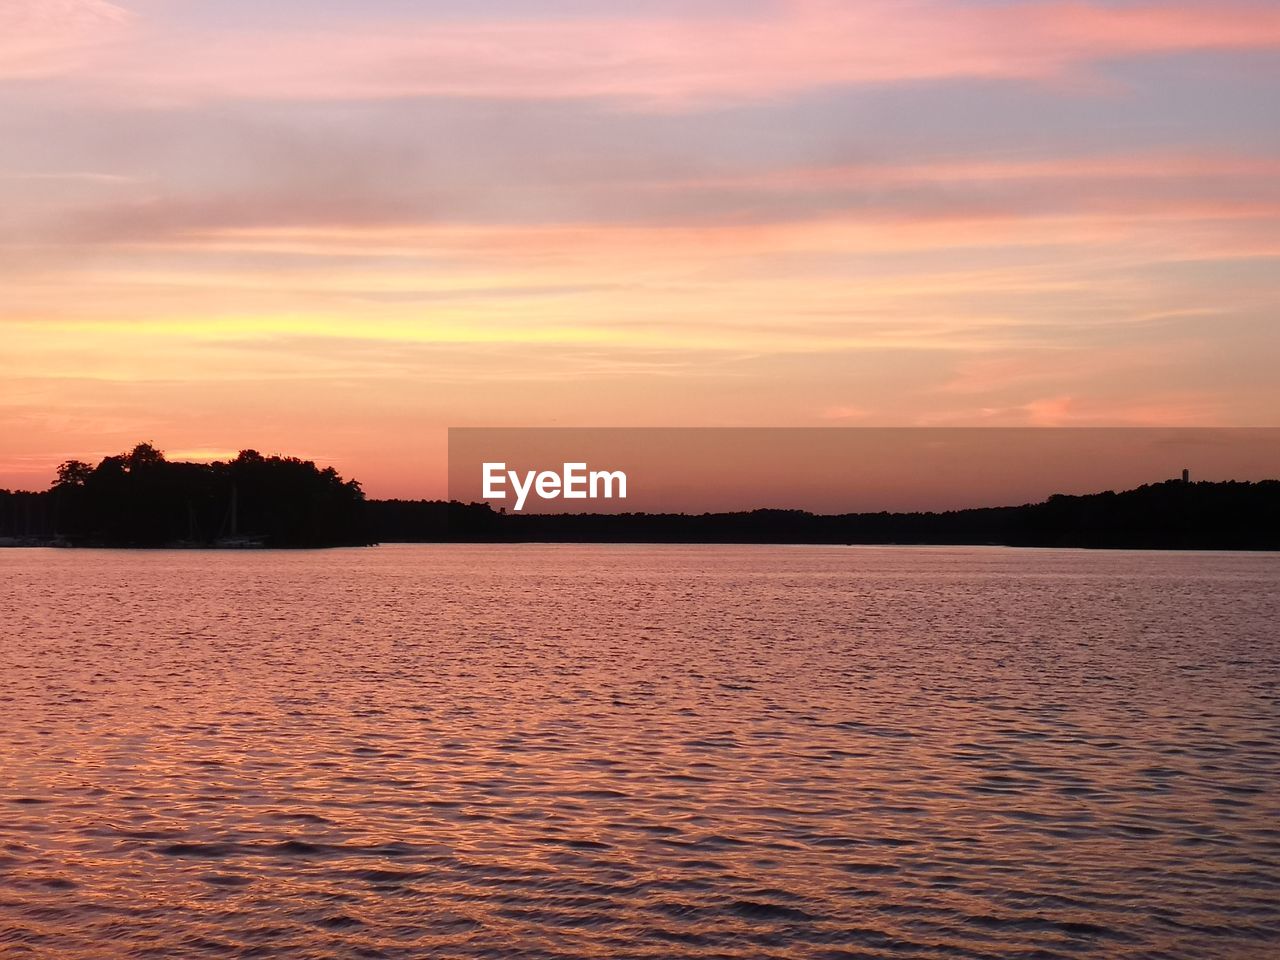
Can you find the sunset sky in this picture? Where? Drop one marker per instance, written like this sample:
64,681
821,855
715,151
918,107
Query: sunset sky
335,229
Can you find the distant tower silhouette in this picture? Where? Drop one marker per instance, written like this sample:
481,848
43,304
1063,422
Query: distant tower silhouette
1186,476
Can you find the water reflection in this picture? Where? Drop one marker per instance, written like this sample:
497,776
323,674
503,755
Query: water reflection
639,752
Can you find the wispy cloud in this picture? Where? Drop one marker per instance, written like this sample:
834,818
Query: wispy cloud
796,45
41,38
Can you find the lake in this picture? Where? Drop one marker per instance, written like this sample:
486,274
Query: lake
639,751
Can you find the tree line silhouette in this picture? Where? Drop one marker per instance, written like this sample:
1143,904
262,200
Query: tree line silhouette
1169,515
140,499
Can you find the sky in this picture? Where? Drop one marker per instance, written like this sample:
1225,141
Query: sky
334,228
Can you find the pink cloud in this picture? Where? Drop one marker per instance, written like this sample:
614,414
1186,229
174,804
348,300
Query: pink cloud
1144,166
803,45
43,37
1163,409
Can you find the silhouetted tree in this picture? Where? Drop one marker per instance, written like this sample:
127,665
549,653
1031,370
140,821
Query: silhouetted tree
139,498
73,473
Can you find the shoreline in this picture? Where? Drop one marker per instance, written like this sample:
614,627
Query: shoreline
174,548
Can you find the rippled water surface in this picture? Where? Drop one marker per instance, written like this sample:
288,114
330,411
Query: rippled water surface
528,751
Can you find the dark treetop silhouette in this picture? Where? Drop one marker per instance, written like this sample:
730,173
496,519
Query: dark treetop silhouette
142,499
1171,515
